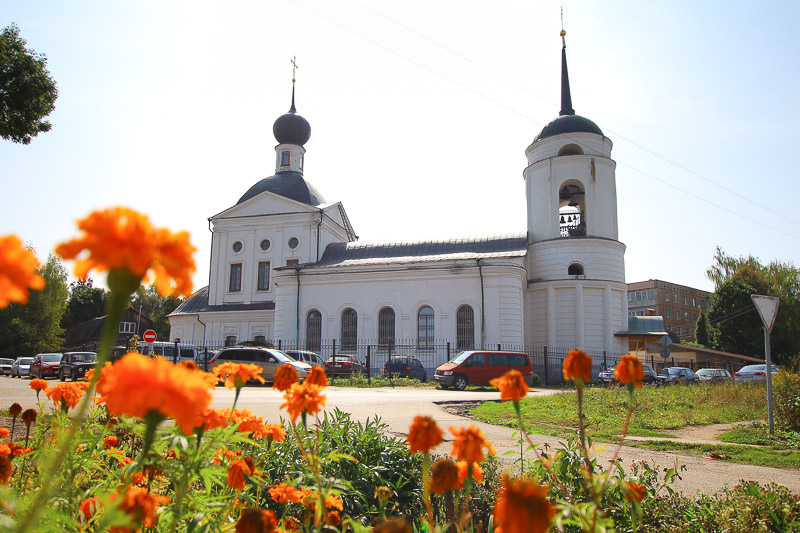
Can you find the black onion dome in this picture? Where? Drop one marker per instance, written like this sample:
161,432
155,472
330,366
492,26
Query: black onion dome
288,184
568,124
291,128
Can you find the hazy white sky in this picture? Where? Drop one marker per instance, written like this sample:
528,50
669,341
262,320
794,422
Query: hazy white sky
420,112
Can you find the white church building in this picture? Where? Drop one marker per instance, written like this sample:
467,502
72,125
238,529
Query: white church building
287,269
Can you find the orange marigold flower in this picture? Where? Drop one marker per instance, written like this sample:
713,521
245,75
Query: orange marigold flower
4,432
634,492
210,419
14,410
5,469
283,493
463,470
333,518
331,501
291,523
69,393
123,239
39,384
274,432
629,371
577,366
303,398
254,520
18,449
469,443
140,505
17,271
5,449
237,374
285,377
444,476
110,442
136,385
237,472
29,416
523,507
392,525
317,376
423,434
90,506
512,386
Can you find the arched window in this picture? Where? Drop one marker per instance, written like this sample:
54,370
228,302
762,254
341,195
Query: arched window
386,328
349,329
314,331
572,209
571,149
465,328
425,328
575,269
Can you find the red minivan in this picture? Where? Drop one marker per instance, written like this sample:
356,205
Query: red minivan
478,367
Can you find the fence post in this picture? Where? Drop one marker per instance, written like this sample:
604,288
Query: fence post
605,362
177,354
499,348
205,359
279,343
546,372
448,350
369,363
333,349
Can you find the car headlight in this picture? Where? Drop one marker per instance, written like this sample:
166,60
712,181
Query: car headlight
447,373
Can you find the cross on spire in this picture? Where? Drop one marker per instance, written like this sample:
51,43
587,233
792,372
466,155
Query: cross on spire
294,68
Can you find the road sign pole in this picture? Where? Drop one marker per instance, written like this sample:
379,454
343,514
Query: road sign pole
768,352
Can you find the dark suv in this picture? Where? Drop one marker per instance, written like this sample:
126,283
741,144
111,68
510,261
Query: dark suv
405,367
75,364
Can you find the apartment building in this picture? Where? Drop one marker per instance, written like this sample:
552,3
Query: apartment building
679,305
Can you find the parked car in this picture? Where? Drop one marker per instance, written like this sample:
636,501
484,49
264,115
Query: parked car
753,373
305,356
75,364
607,375
267,358
480,367
5,366
343,364
405,367
21,367
166,350
714,375
44,365
676,374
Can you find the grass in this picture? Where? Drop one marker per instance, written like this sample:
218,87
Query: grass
360,381
772,456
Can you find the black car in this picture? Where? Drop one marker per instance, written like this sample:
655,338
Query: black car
75,364
676,374
405,367
607,375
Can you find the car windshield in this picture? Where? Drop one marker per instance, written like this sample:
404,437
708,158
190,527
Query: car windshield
84,358
671,372
5,361
51,357
282,357
460,358
25,360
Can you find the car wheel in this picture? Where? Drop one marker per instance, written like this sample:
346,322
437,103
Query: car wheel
74,375
424,378
460,383
61,376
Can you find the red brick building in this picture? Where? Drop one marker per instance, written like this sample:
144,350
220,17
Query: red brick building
679,305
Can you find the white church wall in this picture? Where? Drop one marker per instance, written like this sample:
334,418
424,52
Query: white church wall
601,258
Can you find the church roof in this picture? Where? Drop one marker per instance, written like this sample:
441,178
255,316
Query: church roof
198,303
355,253
288,184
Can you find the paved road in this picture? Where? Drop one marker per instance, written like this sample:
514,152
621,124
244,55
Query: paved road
397,408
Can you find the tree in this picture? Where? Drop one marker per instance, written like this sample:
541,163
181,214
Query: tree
35,327
702,333
734,323
85,303
27,92
156,307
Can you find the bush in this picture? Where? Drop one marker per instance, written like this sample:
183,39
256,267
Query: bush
786,400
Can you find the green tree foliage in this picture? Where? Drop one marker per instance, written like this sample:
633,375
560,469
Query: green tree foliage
734,323
29,329
156,307
85,303
27,92
702,333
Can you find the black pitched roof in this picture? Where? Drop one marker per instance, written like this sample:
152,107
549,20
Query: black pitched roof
198,303
289,184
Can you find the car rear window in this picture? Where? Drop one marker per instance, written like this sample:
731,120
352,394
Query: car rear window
507,359
51,358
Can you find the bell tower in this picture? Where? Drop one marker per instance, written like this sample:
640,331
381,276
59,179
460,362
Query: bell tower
577,297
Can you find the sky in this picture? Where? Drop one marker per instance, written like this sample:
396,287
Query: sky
420,115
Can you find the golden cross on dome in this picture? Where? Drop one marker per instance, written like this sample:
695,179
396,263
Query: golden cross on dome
563,33
294,68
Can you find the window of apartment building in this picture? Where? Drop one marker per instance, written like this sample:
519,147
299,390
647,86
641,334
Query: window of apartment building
666,297
349,329
465,328
669,313
425,328
680,332
686,316
386,328
263,276
694,302
677,314
685,300
702,304
676,298
235,281
314,330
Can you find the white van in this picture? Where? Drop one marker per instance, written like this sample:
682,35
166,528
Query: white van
186,352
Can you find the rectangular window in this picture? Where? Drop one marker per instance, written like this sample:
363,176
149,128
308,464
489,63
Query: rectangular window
292,262
694,302
127,327
235,283
285,159
686,316
702,304
666,297
680,332
669,313
685,300
676,298
263,276
677,314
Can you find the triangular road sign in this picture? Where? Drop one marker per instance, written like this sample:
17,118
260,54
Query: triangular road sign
768,309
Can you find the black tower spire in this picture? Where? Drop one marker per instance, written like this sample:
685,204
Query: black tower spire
566,98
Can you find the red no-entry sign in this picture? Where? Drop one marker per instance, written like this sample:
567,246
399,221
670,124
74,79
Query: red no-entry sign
149,336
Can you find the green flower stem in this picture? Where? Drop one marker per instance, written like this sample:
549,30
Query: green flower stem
426,487
119,281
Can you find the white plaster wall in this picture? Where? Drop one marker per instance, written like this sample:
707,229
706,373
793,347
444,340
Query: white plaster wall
602,258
